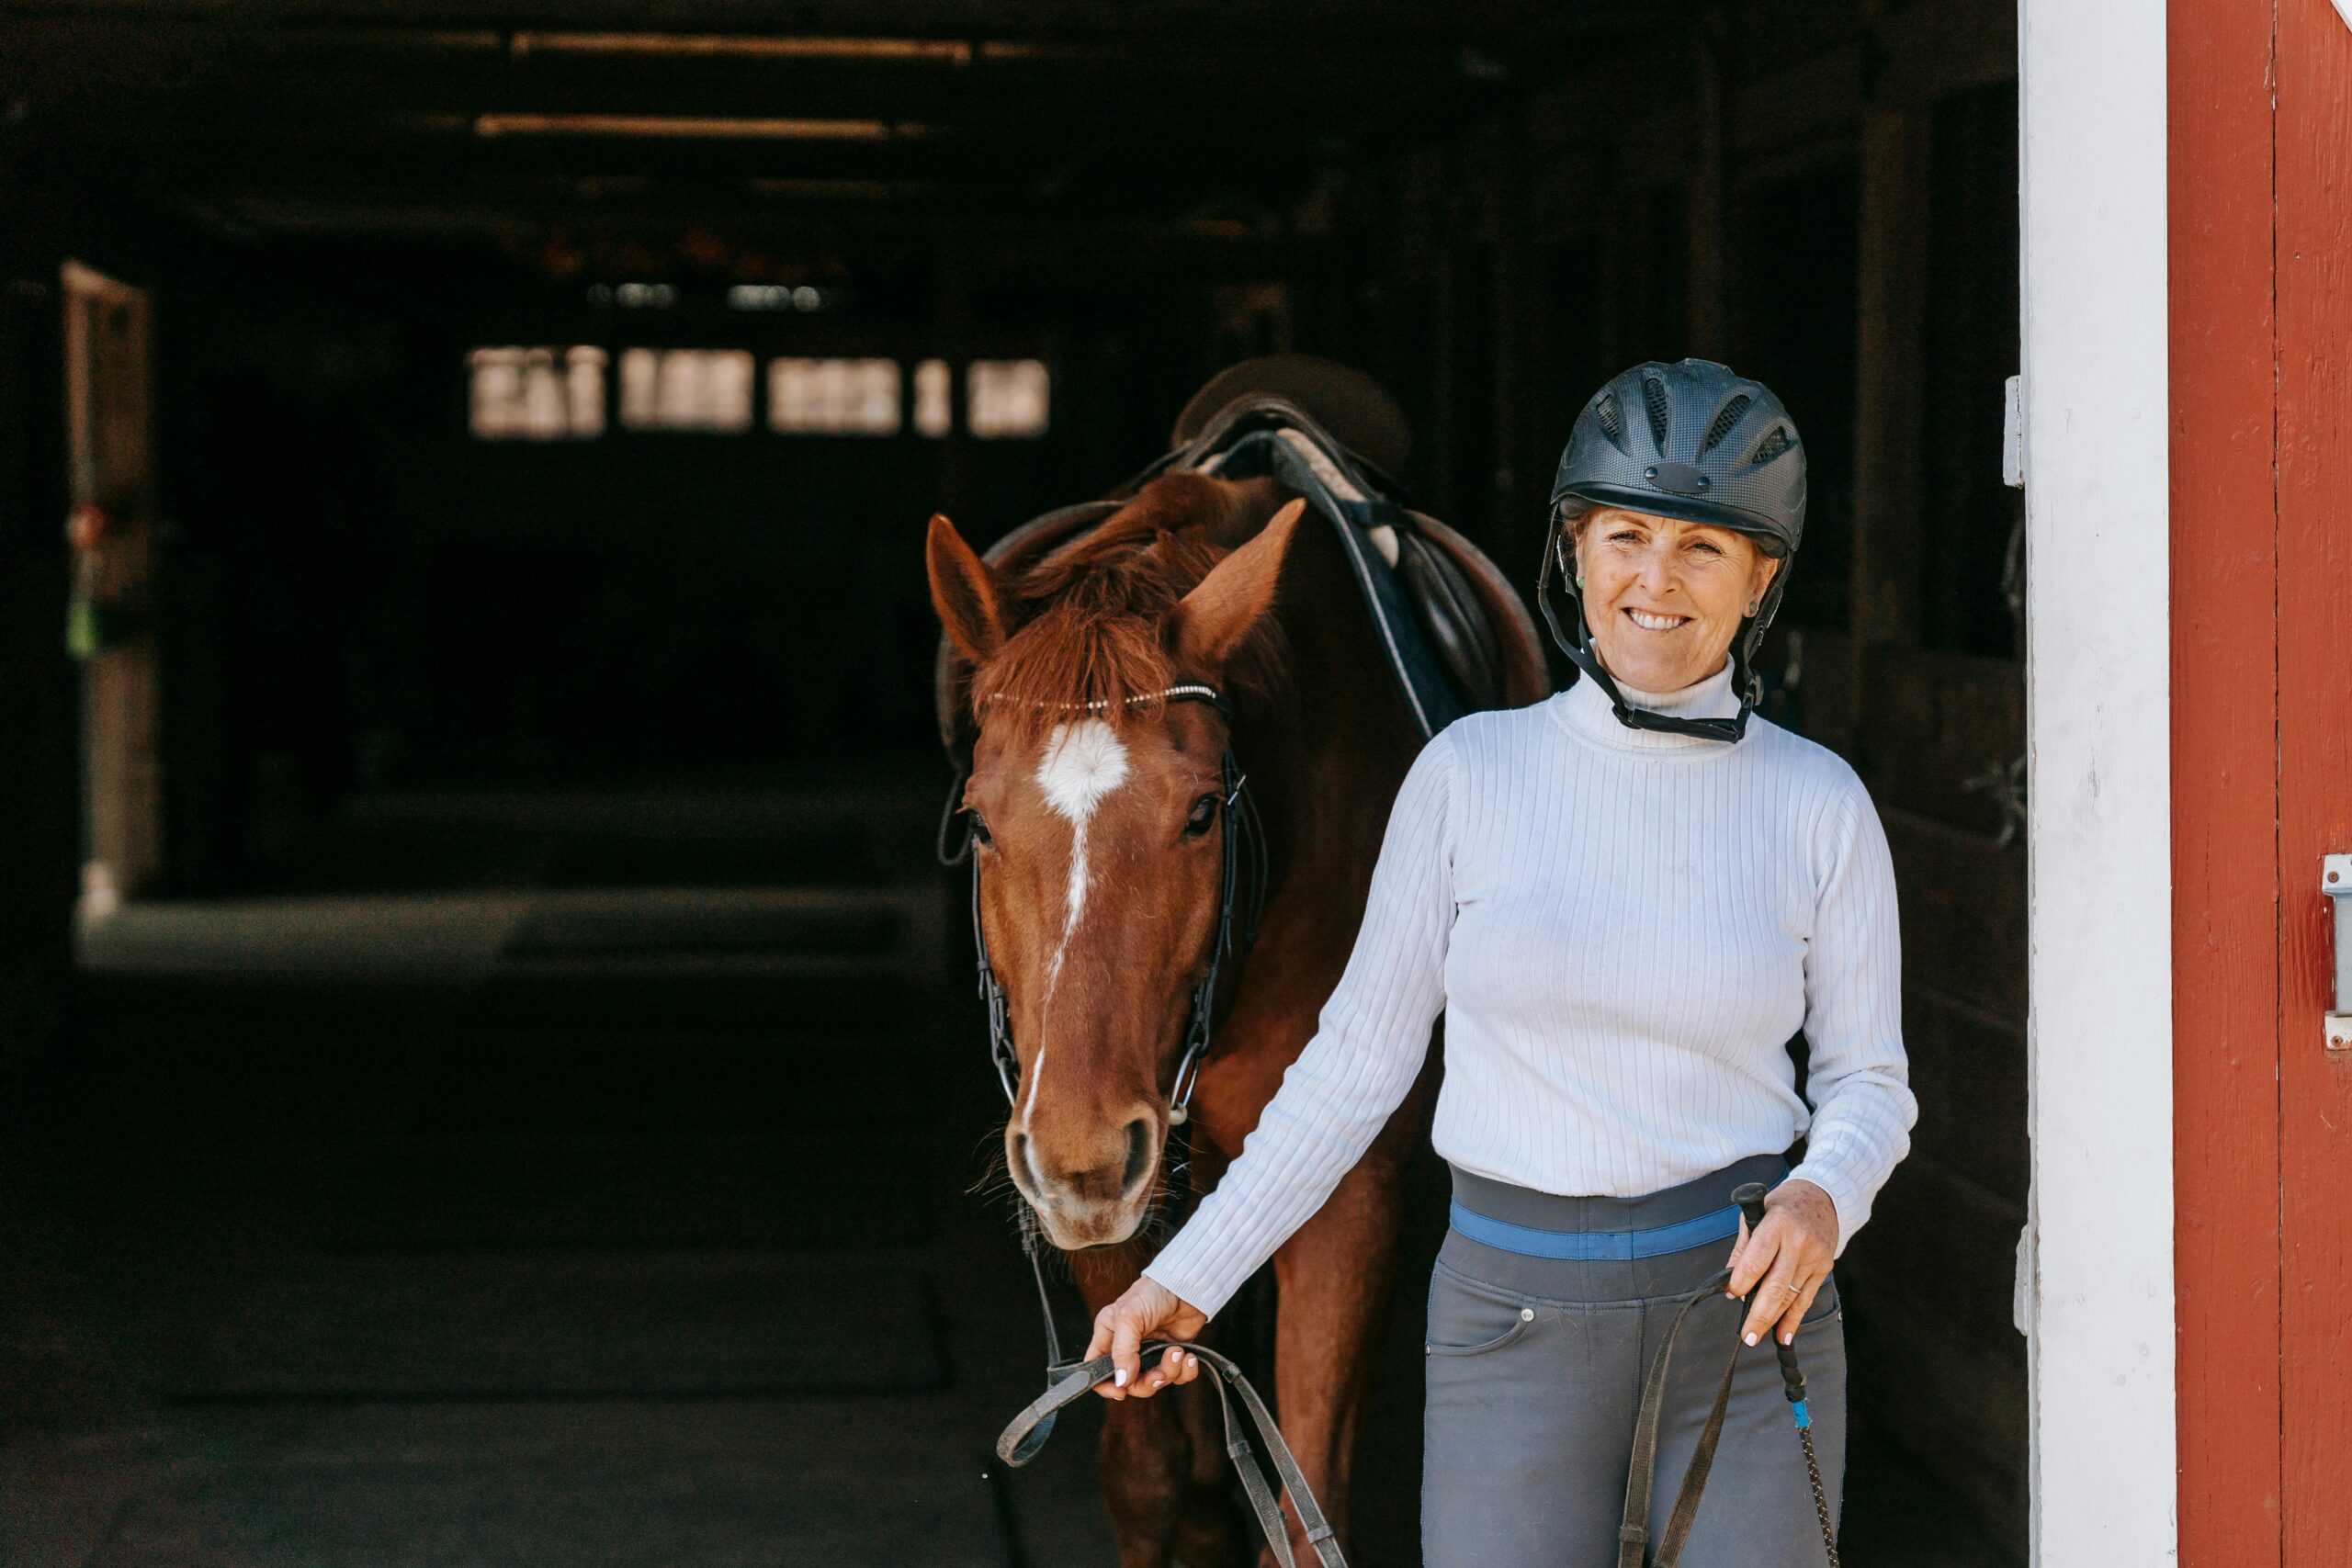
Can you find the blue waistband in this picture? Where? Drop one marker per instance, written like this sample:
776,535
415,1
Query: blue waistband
1585,1247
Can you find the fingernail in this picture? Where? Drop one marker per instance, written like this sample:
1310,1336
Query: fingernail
1119,1378
1751,1340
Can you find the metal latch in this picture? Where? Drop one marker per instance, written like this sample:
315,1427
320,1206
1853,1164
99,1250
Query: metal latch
2335,881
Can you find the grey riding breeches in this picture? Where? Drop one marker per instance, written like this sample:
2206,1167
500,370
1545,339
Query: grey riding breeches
1539,1338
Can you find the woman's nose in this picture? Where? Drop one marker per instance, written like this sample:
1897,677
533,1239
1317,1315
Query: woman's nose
1657,572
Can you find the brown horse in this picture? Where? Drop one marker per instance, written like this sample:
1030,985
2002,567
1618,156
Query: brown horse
1094,806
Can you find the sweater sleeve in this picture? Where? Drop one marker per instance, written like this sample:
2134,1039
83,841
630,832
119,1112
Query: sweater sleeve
1368,1048
1859,1080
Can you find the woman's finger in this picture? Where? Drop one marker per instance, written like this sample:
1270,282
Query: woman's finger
1100,1344
1774,1295
1799,1305
1127,1352
1756,1255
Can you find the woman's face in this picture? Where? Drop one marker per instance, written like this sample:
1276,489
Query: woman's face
1664,598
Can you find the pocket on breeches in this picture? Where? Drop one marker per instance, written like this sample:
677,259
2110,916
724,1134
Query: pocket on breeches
1470,1317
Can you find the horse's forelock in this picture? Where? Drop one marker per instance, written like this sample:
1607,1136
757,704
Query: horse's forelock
1092,622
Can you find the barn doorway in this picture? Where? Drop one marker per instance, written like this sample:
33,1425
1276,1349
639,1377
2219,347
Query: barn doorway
534,897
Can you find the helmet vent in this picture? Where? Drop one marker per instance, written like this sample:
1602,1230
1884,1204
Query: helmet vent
1733,412
1611,418
1654,394
1772,446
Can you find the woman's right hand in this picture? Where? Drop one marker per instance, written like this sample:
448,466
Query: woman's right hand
1148,1310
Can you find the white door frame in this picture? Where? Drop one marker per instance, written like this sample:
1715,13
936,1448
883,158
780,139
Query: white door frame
2096,1298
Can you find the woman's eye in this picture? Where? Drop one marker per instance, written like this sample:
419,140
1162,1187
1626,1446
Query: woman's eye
1203,813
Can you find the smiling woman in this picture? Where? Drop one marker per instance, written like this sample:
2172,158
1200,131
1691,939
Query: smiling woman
1622,901
1664,598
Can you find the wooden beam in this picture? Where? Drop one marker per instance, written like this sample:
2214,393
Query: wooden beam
1890,377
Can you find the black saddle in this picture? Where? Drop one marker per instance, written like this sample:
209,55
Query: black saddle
1454,634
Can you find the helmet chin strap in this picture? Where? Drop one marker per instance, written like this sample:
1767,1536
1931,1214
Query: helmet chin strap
1580,651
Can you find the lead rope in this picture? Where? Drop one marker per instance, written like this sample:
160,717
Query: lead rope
1026,1435
1633,1533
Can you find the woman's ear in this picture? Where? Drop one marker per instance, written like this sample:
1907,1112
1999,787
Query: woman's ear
1209,623
967,592
1766,568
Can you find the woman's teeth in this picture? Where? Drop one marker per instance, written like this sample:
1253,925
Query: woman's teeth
1656,623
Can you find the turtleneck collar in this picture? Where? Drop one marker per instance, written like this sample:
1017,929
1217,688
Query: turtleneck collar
1584,710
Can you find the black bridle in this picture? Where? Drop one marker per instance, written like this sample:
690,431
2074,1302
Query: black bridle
1242,889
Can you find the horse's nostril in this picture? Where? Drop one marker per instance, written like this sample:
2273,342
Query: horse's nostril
1139,1153
1021,1162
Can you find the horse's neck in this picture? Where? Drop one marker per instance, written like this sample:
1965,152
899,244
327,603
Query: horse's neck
1335,738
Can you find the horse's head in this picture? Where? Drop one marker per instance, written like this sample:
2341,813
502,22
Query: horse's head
1094,807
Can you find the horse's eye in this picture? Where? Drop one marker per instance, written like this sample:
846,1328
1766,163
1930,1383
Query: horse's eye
980,827
1203,813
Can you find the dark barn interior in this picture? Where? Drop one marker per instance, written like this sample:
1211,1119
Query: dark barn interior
490,1067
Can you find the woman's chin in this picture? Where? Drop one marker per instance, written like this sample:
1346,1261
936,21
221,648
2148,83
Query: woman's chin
1646,672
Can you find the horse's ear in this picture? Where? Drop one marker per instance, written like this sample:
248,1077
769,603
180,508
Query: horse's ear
1209,623
967,592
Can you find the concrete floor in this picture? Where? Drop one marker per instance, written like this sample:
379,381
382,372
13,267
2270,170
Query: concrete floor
586,1181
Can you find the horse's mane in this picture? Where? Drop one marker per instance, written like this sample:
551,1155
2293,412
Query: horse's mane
1090,616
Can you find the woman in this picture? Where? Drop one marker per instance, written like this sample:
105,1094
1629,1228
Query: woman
1625,900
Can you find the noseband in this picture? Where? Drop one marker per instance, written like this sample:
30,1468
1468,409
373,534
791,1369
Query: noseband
1242,884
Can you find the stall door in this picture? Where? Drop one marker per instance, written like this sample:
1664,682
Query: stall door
109,422
2314,378
2261,301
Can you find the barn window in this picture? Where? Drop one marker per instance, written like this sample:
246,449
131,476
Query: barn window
1006,397
933,384
536,394
833,396
687,388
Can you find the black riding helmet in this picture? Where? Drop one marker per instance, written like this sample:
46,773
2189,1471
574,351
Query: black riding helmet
1692,441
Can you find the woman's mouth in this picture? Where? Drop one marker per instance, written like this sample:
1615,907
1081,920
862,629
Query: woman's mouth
1651,622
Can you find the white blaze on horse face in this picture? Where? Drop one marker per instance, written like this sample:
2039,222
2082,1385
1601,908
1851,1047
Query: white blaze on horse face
1081,764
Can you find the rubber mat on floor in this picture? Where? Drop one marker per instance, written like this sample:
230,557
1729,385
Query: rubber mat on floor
557,1325
797,1506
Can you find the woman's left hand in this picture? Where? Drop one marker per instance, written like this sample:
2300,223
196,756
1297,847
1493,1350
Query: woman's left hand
1786,1259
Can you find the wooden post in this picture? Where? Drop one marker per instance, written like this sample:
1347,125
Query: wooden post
110,423
1890,334
1708,264
2098,1304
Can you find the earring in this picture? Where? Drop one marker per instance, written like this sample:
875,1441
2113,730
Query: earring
1580,581
1753,606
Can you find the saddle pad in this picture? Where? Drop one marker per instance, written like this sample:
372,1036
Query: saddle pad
566,1326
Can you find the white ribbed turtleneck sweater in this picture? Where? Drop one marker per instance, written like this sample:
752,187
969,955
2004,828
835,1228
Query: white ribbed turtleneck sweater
1622,929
